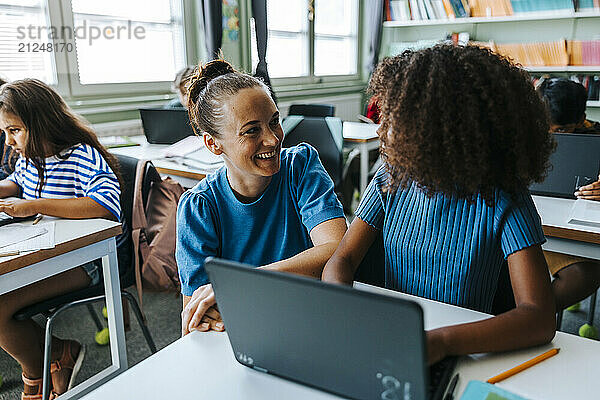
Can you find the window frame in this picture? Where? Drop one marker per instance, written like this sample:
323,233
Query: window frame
311,78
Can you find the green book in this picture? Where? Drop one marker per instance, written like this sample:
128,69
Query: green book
478,390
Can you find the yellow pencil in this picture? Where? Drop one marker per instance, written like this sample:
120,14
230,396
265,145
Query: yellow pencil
525,365
37,219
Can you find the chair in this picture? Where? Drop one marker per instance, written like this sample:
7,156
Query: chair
324,134
312,110
53,307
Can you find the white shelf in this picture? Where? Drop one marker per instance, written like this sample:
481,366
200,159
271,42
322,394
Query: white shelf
570,68
535,16
593,103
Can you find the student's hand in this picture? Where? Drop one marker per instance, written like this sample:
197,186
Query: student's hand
198,315
436,348
589,192
17,207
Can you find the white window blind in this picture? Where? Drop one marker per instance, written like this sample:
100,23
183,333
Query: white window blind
138,40
24,29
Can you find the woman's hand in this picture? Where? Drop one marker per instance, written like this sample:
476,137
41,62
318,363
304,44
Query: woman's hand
18,207
589,192
436,349
200,312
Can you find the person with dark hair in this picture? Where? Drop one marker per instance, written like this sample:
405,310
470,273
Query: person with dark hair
270,207
566,101
180,86
62,171
463,134
575,278
7,156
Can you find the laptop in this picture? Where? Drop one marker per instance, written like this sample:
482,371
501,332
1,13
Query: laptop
574,163
335,338
165,126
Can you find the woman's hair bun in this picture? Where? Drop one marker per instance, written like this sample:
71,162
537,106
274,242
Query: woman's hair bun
206,73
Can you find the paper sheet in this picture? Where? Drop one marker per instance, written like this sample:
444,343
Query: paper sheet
27,237
585,212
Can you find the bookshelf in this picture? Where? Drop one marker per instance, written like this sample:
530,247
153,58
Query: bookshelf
519,28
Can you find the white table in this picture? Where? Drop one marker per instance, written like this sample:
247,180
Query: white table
187,175
202,365
363,137
77,242
563,237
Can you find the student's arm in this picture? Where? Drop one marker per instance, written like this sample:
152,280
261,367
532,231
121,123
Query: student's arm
531,323
8,188
589,192
77,208
356,242
325,237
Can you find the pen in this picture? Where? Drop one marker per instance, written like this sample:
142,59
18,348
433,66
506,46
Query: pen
10,253
451,387
37,219
525,365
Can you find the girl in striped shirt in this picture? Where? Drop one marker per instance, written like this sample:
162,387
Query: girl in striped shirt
463,135
62,171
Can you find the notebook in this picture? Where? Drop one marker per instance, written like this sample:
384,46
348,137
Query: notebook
574,163
349,342
165,126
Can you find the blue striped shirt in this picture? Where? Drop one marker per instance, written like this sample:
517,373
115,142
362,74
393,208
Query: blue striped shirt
84,173
444,248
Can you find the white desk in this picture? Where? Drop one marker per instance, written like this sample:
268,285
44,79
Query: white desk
187,175
202,365
562,237
77,242
363,137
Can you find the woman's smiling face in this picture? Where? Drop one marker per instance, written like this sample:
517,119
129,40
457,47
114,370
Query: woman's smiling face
251,138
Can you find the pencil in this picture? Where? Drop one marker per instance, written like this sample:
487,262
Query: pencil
10,253
37,219
524,366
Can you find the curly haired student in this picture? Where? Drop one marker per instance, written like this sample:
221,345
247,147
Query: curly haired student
463,135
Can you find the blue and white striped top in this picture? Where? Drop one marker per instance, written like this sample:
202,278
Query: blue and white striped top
84,173
444,248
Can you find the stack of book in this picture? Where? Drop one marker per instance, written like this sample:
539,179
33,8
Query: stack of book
535,54
405,10
584,52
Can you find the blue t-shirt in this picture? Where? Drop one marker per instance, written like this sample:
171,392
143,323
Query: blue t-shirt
211,221
444,248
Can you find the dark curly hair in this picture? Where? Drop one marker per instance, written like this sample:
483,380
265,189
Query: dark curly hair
209,87
460,120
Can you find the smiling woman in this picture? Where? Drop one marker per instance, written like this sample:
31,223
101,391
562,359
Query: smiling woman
267,206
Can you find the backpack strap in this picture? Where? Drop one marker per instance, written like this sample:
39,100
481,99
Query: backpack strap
139,224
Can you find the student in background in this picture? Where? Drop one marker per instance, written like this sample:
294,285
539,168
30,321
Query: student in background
7,156
463,135
267,206
180,86
62,171
575,278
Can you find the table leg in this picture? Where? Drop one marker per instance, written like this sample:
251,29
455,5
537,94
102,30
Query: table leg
364,167
110,267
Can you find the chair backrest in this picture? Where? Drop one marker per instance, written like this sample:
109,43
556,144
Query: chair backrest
372,267
312,110
325,135
128,167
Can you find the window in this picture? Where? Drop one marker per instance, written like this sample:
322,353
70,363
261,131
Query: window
23,30
310,44
128,41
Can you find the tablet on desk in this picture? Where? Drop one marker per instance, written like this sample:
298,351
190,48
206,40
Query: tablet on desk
6,219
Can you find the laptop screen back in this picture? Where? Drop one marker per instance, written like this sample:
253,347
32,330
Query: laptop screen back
165,126
575,160
339,339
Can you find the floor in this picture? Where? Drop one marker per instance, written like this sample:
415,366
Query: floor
163,312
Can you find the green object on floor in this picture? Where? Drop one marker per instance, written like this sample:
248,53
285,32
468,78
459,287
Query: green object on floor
573,308
105,312
588,331
103,337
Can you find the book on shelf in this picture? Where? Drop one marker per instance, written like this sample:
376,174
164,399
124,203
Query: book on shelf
490,8
400,10
584,52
